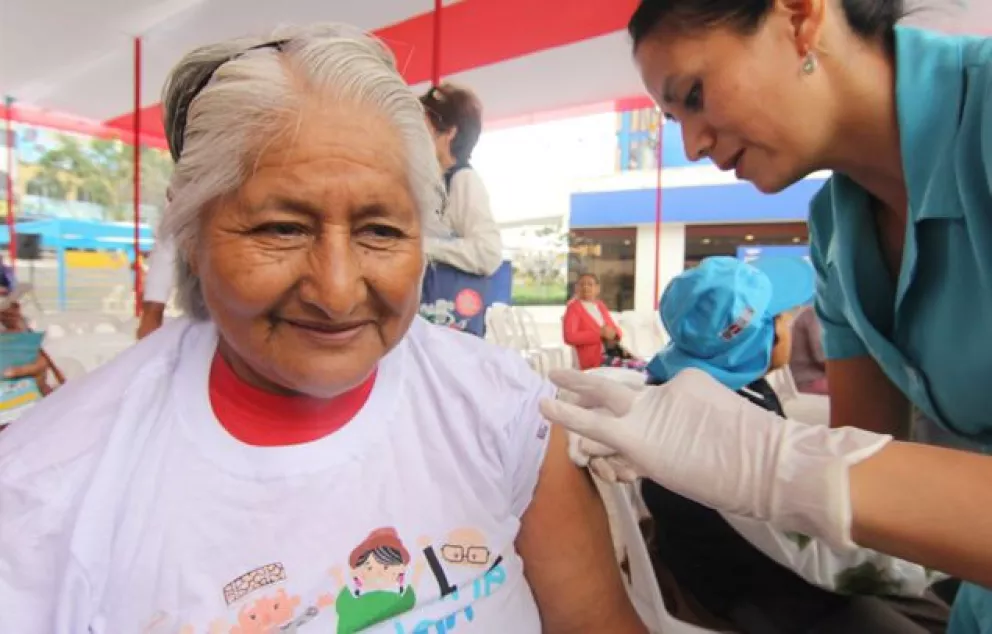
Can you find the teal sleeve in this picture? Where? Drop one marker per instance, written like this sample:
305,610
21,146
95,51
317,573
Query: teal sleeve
839,339
987,130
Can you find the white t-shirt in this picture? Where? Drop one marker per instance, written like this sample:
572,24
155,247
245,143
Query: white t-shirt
593,309
125,507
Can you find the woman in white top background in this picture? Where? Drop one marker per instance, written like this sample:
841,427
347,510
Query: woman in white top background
474,244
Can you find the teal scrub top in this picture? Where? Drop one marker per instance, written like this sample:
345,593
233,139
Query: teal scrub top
930,331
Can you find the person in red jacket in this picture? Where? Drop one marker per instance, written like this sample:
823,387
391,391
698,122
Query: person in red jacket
589,328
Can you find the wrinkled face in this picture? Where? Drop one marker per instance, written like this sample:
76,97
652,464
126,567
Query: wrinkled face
312,269
742,100
587,288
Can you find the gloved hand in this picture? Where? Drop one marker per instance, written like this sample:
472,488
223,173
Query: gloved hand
600,459
701,440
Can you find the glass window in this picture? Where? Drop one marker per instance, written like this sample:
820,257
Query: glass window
610,255
703,241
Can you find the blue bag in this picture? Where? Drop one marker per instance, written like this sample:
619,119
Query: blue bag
456,299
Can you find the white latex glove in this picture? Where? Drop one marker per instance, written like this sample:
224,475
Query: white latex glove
701,440
597,457
605,463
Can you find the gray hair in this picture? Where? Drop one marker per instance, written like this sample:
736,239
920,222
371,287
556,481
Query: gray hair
248,98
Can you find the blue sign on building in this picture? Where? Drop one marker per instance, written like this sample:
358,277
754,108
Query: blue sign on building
752,252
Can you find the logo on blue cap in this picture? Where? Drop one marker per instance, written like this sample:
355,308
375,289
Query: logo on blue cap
720,316
739,325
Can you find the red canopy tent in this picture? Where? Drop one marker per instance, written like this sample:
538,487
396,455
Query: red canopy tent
105,60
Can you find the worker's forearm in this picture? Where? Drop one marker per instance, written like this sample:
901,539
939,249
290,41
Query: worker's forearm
926,504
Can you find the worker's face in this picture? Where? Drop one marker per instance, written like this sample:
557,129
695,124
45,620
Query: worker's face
782,351
312,269
587,288
743,100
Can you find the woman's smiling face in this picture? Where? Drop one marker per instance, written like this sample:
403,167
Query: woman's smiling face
312,269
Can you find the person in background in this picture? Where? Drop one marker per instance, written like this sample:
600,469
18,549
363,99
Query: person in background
732,320
157,288
474,244
457,289
12,320
588,327
7,279
808,363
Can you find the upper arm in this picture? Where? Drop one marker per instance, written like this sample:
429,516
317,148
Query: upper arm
862,396
568,554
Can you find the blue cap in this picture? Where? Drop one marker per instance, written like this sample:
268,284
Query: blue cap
721,316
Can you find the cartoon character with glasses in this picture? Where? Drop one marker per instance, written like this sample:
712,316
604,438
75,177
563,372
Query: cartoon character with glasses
466,547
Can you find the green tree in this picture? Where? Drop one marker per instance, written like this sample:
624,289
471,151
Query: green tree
101,171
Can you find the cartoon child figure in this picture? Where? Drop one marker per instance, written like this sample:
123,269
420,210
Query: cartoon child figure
379,590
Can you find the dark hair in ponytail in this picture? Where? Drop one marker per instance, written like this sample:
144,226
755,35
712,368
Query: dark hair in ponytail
870,19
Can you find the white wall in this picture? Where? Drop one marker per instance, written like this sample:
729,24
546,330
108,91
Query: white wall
671,262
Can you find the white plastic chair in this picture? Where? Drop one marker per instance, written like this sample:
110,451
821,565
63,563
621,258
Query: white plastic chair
783,383
556,355
502,326
642,333
642,585
813,409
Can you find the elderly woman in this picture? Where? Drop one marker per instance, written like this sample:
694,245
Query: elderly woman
211,478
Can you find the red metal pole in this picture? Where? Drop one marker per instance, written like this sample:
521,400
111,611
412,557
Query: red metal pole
657,213
8,116
436,60
137,177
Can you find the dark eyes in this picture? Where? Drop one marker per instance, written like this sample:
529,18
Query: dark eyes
694,98
382,231
285,230
280,229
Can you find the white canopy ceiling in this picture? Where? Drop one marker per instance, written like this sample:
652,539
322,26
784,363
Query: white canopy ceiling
521,56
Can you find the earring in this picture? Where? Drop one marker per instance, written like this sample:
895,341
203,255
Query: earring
809,63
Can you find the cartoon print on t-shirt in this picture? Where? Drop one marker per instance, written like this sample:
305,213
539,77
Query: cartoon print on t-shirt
466,547
463,559
266,614
379,588
463,548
